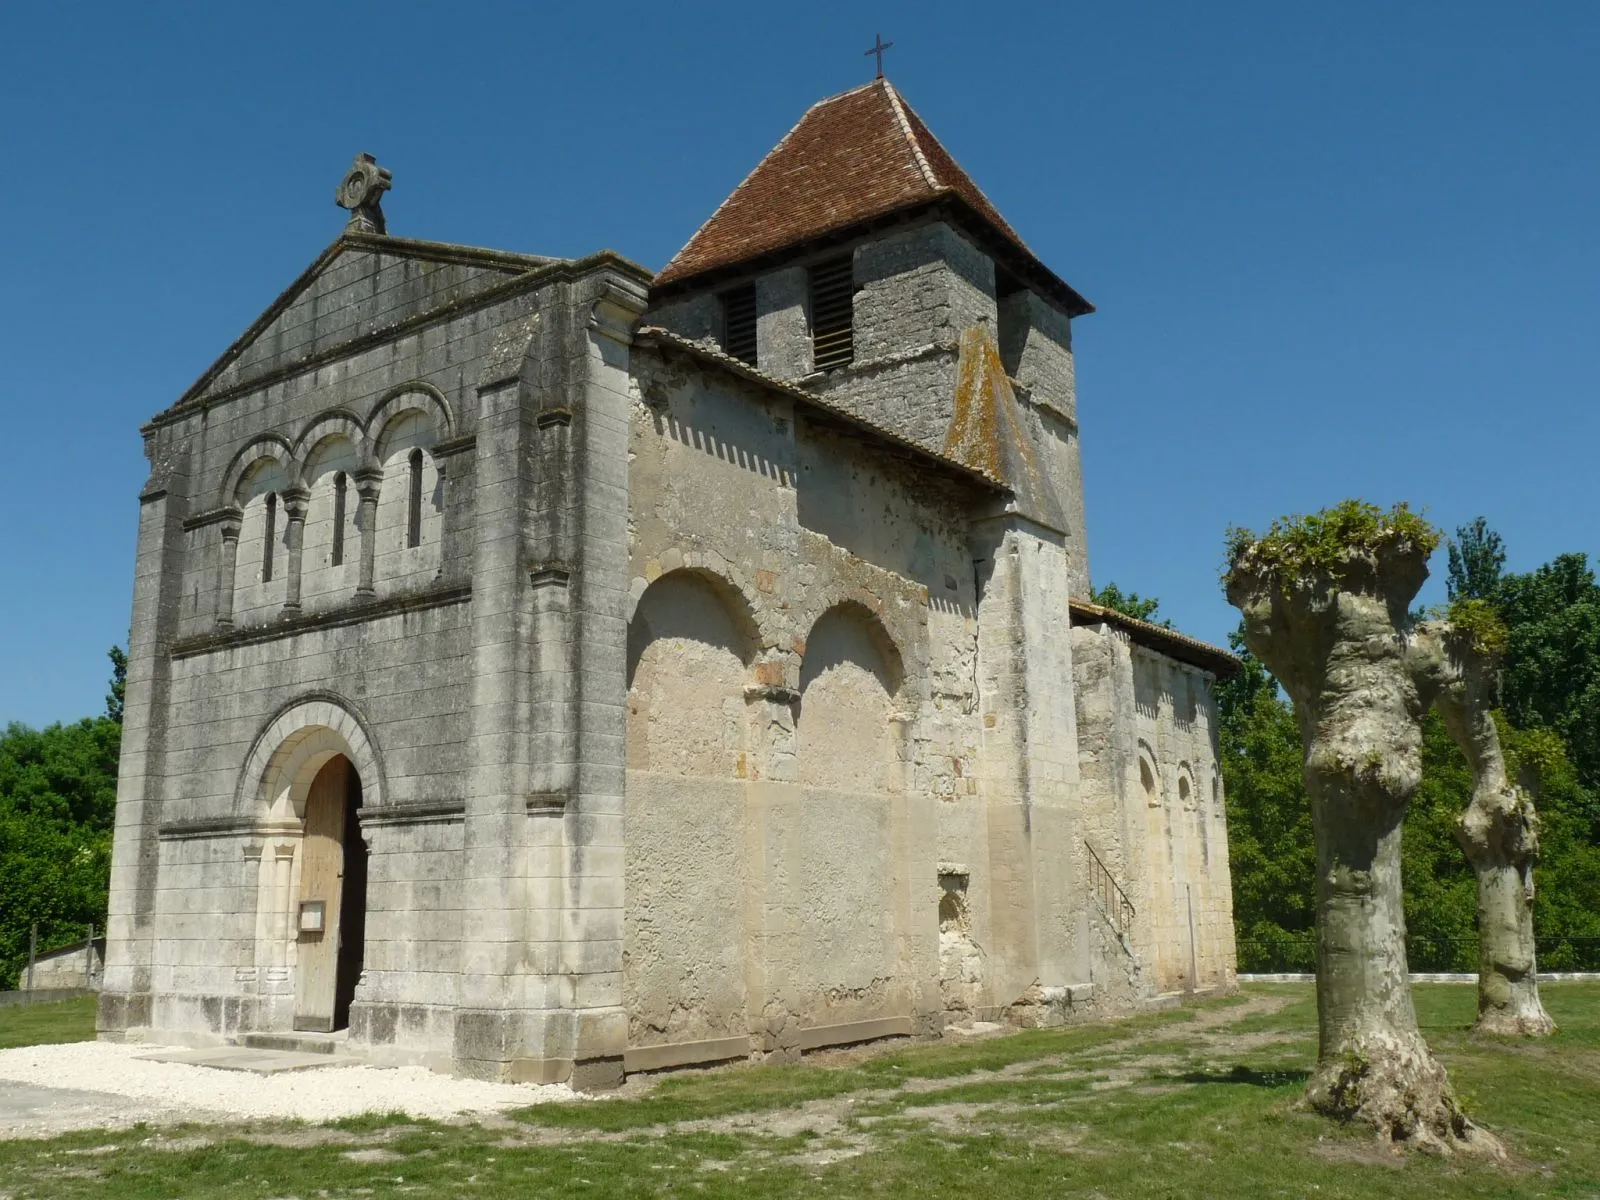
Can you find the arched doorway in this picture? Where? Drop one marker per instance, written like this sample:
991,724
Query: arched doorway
330,929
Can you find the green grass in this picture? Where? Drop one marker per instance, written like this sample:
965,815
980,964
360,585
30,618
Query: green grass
1197,1102
39,1024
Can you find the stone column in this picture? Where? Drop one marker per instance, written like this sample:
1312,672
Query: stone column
294,511
368,480
226,566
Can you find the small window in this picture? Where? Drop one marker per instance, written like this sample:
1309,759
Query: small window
833,291
338,519
414,502
270,538
739,323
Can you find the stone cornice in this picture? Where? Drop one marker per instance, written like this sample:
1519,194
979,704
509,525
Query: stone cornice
448,811
215,516
350,614
209,827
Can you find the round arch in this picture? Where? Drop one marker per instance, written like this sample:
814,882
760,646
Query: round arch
1149,775
269,447
293,747
877,634
415,396
743,601
337,422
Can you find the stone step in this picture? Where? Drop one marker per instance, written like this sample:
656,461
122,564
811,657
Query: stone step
298,1042
248,1058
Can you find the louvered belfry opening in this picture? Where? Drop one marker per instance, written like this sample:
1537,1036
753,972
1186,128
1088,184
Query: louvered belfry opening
833,289
739,323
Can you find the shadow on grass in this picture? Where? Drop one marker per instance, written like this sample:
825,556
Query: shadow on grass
1241,1074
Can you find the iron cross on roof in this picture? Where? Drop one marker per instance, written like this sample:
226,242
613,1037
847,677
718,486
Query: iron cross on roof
878,50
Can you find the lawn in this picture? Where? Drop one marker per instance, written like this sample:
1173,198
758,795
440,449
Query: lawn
38,1024
1193,1102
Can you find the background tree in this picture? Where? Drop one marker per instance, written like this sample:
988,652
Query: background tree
58,794
119,683
1270,844
1551,677
1477,559
1547,657
1456,663
1129,604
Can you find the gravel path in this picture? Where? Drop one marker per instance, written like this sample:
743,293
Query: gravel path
92,1085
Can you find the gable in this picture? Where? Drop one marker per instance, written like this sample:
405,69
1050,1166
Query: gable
359,286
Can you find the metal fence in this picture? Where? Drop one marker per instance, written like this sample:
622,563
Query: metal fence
1298,955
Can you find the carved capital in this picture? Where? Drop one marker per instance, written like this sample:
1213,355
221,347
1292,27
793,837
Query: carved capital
367,480
616,311
295,500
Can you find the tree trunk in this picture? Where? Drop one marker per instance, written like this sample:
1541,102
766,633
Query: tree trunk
1499,833
1373,1066
1336,639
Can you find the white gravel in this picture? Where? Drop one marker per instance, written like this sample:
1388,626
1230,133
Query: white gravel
136,1090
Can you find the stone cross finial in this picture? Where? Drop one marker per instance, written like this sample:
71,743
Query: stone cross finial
361,192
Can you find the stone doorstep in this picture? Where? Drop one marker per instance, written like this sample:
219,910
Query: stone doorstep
245,1058
300,1041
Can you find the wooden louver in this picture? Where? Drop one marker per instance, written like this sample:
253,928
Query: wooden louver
832,312
739,323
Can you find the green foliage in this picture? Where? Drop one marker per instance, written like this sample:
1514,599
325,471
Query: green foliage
1270,842
1272,848
1550,676
58,789
1323,543
1480,622
1477,561
58,793
58,799
1441,892
1129,604
119,683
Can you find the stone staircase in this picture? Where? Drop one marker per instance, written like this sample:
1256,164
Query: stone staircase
1111,900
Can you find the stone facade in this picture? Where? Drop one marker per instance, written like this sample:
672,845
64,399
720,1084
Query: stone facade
665,709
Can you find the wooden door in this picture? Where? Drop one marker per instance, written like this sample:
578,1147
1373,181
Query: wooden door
321,884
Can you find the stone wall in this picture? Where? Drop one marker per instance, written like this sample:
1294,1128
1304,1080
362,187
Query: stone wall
1153,802
242,684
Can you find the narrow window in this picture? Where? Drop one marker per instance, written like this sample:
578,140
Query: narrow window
739,323
833,292
271,536
1011,319
338,519
414,502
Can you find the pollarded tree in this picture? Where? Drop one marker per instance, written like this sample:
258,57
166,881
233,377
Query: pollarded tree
1456,660
1326,602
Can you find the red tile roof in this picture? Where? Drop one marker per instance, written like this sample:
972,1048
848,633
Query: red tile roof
852,159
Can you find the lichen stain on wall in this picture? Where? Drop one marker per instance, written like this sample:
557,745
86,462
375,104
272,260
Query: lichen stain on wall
986,428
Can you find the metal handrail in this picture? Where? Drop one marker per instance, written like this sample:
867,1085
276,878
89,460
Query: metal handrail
1113,901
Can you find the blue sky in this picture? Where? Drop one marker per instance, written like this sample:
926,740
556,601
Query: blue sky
1336,249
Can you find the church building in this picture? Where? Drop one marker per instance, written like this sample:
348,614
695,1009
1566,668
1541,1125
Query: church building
543,669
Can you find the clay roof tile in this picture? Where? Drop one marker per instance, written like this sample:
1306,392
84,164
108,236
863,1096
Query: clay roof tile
851,159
